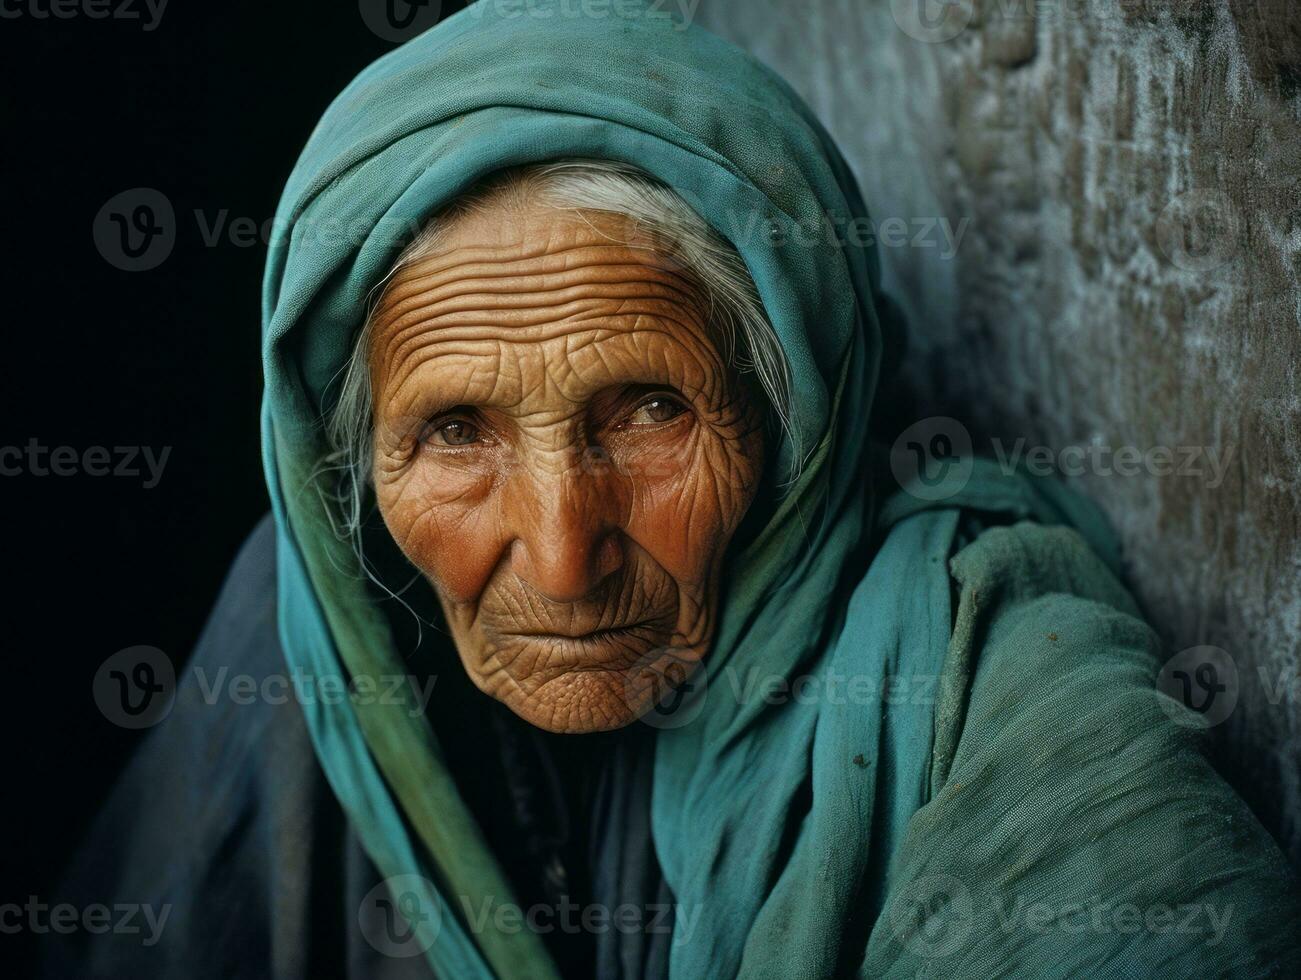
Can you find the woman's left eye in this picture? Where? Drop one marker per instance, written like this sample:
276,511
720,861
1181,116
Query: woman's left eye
656,409
452,432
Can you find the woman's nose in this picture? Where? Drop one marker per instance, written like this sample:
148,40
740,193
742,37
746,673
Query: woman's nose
566,540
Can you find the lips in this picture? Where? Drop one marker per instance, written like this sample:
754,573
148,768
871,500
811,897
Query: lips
599,647
628,616
605,635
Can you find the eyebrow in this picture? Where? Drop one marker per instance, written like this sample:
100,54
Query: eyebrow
419,400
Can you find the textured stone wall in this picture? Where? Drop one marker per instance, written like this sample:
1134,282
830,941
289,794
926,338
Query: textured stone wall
1122,180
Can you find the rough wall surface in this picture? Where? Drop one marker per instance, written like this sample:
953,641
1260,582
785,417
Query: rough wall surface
1121,181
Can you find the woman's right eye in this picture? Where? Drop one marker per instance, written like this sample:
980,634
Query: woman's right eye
452,432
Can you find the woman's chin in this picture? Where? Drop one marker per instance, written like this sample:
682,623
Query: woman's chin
578,702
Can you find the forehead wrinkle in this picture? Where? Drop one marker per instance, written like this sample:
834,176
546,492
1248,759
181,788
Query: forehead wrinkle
480,301
631,317
473,377
411,301
492,269
659,356
480,323
457,266
543,258
575,365
518,299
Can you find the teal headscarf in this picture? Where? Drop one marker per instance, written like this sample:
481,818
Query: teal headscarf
777,820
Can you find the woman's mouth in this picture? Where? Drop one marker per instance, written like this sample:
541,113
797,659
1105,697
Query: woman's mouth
604,645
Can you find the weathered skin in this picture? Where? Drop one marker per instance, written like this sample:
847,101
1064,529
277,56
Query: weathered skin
563,453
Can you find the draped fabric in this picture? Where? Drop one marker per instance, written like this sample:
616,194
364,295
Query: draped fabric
797,831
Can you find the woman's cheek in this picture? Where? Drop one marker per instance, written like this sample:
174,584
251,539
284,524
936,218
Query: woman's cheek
444,522
675,514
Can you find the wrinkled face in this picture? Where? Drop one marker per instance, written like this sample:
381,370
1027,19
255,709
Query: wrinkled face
563,453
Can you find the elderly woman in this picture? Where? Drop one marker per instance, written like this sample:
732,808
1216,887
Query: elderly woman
640,669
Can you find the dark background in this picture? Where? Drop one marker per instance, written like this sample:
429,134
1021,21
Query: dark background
211,108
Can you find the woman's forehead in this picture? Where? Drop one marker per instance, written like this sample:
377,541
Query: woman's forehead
520,228
547,301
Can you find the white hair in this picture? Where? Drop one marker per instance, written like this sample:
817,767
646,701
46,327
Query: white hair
737,322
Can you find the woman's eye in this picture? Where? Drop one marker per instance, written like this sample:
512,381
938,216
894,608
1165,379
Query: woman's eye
660,408
453,432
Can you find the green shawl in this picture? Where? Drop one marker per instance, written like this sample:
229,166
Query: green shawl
1030,758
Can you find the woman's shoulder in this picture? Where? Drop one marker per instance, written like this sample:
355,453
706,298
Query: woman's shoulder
1074,816
246,601
222,805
